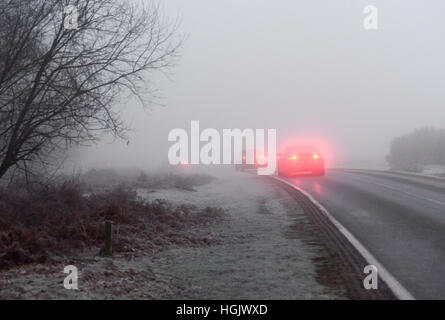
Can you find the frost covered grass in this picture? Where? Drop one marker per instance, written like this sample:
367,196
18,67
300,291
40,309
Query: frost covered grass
104,178
268,249
41,222
170,181
262,246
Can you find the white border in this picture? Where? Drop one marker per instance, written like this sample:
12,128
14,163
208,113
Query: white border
399,291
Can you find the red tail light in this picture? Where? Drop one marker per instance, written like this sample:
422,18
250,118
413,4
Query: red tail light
294,157
316,156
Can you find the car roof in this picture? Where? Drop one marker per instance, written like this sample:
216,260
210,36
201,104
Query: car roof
302,149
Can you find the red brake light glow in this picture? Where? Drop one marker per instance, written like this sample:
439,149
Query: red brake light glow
294,157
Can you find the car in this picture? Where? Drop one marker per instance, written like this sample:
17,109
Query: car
260,161
300,160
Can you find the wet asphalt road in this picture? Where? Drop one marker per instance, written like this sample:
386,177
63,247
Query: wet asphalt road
399,218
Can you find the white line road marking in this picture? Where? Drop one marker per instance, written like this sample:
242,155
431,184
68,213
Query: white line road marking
441,203
408,193
398,289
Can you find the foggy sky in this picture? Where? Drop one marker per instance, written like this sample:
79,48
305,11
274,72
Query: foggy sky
306,68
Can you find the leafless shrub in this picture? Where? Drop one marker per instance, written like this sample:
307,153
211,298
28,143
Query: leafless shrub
47,221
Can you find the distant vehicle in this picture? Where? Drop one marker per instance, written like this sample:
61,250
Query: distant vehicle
260,160
300,160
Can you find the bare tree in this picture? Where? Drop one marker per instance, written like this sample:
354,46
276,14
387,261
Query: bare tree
60,86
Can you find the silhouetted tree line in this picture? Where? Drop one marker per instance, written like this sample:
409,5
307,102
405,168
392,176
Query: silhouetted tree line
425,146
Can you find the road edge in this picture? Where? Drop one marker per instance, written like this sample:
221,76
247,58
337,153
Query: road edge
399,291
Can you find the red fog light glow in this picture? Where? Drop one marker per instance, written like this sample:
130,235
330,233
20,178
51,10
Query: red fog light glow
325,147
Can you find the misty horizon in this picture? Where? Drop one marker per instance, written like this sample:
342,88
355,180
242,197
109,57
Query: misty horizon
308,70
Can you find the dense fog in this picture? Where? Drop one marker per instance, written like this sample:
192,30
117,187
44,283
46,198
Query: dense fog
306,68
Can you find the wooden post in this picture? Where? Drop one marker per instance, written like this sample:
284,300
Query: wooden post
107,250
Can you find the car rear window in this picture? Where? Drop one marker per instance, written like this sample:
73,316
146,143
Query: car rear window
301,149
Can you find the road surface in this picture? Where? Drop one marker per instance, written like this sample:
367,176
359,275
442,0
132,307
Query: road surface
399,218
